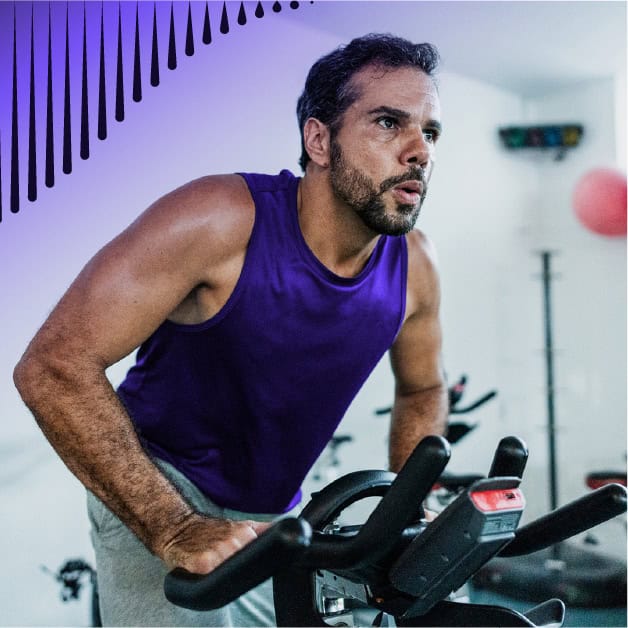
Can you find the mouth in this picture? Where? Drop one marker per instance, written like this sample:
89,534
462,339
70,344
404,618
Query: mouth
408,192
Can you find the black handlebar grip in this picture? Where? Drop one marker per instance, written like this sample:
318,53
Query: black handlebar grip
576,517
510,458
401,504
404,499
273,550
473,406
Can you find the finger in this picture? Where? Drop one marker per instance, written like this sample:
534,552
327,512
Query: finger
430,515
260,526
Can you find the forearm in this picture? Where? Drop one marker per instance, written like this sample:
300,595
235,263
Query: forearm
414,416
82,417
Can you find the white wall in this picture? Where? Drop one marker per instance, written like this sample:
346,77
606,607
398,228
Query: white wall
589,296
490,212
487,211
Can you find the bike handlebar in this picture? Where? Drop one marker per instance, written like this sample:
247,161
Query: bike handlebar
398,508
276,548
473,406
575,517
291,541
510,458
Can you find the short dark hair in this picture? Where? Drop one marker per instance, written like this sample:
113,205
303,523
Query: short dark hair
328,92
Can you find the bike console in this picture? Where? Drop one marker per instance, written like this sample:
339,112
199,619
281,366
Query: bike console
473,529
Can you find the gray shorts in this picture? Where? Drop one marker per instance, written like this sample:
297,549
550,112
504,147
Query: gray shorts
130,578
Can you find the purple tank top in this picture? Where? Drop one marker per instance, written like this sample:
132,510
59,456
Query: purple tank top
243,403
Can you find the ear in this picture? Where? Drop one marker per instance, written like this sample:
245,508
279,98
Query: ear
316,141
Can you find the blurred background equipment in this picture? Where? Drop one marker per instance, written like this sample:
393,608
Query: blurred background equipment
560,137
599,201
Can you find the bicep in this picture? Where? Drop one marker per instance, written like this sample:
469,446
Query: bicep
123,294
117,300
131,286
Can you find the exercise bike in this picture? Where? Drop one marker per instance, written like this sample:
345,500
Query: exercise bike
397,568
75,573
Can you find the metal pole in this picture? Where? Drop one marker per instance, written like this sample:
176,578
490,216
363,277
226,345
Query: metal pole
549,361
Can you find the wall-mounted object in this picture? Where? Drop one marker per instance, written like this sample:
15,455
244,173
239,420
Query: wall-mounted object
552,136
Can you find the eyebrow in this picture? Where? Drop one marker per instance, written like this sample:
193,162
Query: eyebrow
404,115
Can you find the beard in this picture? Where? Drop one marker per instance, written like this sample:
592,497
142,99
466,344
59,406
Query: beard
358,191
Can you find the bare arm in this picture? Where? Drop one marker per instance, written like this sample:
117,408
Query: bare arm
125,292
421,405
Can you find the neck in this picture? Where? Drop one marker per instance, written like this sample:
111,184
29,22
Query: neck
332,230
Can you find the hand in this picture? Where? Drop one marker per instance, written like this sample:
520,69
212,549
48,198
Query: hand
202,543
430,515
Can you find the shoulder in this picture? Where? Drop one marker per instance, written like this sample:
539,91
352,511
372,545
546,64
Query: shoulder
423,284
210,216
211,201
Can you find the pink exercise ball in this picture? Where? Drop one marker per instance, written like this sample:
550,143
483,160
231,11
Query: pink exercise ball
599,201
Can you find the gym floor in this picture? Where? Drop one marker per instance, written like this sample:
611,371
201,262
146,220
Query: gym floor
573,616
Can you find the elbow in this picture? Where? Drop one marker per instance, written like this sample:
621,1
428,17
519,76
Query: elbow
22,375
47,373
38,374
28,375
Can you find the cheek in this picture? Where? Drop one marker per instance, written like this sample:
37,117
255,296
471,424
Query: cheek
367,159
430,169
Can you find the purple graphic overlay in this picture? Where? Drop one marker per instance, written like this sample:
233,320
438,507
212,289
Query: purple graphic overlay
61,61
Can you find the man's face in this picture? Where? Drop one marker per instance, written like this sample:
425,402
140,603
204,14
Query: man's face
381,159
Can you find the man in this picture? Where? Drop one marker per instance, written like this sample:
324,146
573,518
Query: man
260,305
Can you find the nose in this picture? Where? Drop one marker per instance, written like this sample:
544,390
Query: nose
416,150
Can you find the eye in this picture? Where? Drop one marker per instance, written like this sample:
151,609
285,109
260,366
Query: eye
431,135
387,122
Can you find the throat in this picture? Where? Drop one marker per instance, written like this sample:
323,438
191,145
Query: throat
339,257
335,235
353,265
